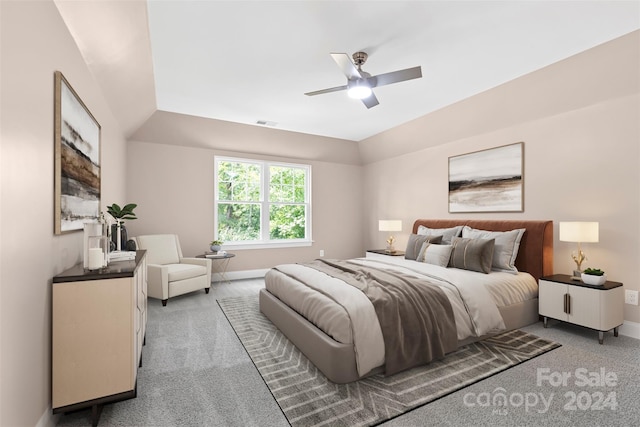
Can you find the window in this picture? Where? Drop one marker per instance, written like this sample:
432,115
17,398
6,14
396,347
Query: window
262,203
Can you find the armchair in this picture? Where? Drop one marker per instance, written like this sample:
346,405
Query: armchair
169,274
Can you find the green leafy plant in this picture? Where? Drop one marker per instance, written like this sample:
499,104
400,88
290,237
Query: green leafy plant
216,243
593,271
120,214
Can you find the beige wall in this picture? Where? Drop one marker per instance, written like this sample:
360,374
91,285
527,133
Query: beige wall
173,187
579,120
35,43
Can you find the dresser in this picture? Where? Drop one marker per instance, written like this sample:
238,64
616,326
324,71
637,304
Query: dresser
99,323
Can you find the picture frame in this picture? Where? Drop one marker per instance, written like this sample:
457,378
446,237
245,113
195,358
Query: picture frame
77,155
490,180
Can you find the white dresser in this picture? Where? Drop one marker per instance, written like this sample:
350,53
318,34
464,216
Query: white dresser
99,323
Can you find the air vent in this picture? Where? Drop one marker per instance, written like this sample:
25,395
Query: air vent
266,123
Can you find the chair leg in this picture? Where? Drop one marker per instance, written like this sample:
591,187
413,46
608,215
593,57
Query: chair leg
206,290
164,302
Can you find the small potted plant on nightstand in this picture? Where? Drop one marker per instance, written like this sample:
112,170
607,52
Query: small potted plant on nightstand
216,245
593,276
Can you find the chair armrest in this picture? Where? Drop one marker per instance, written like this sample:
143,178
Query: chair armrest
205,262
158,281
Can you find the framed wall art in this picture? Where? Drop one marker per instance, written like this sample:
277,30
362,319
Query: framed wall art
487,181
77,160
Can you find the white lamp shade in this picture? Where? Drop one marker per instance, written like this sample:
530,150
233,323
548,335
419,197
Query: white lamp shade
390,225
581,232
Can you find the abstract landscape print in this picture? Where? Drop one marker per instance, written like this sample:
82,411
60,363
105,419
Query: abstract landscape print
77,160
487,181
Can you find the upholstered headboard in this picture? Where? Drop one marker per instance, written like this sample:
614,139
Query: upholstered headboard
535,255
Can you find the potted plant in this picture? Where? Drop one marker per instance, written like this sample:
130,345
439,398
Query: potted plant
216,245
593,276
120,214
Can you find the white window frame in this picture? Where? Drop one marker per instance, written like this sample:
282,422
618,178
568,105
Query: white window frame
265,242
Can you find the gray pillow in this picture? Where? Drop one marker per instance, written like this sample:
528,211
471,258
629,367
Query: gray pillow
415,243
435,254
506,248
472,254
447,233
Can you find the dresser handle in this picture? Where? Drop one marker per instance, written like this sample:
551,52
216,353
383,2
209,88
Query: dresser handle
567,303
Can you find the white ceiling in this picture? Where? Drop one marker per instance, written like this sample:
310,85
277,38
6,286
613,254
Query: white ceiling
246,61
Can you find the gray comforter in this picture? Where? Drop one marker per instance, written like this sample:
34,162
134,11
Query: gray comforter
415,316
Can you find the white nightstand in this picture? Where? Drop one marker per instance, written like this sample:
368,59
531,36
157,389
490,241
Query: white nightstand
596,307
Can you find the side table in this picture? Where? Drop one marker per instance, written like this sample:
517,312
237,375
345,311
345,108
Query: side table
381,253
596,307
219,264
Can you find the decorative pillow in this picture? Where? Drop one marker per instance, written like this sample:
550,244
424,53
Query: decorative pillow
506,248
447,233
415,243
435,254
472,254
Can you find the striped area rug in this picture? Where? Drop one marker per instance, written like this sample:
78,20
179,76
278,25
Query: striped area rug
307,398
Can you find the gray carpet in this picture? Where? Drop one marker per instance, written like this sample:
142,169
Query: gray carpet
307,398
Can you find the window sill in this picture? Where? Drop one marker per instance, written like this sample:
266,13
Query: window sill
266,245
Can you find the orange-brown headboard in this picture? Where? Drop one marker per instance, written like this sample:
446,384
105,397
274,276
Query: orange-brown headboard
535,255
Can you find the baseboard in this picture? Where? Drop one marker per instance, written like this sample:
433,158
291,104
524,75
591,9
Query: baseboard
630,329
239,275
48,419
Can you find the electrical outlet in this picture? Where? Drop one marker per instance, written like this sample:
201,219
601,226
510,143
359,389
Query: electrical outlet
631,297
322,254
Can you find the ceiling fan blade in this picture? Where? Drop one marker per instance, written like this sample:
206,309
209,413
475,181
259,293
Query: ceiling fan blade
331,89
395,77
370,101
346,65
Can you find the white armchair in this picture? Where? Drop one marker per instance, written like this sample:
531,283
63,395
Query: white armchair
169,274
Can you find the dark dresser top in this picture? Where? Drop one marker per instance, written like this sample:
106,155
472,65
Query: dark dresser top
114,270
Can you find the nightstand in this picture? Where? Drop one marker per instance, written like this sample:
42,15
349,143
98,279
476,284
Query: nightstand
381,253
596,307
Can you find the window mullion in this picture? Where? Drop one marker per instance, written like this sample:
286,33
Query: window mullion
265,202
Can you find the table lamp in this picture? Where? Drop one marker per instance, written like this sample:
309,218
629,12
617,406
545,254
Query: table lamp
578,232
390,225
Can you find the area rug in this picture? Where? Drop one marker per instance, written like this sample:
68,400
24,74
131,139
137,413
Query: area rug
308,398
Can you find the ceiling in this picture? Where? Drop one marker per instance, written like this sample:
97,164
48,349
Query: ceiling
250,61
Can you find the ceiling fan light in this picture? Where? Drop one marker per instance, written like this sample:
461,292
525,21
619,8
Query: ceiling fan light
359,89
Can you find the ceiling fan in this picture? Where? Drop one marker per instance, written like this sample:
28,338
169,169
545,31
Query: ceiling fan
360,83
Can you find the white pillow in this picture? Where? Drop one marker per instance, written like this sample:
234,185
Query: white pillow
435,254
446,233
506,248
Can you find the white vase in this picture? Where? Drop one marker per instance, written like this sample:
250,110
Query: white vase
215,248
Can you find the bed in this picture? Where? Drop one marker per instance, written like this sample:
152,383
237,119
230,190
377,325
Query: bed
342,362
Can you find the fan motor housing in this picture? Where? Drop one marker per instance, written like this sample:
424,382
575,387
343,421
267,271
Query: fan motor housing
359,58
